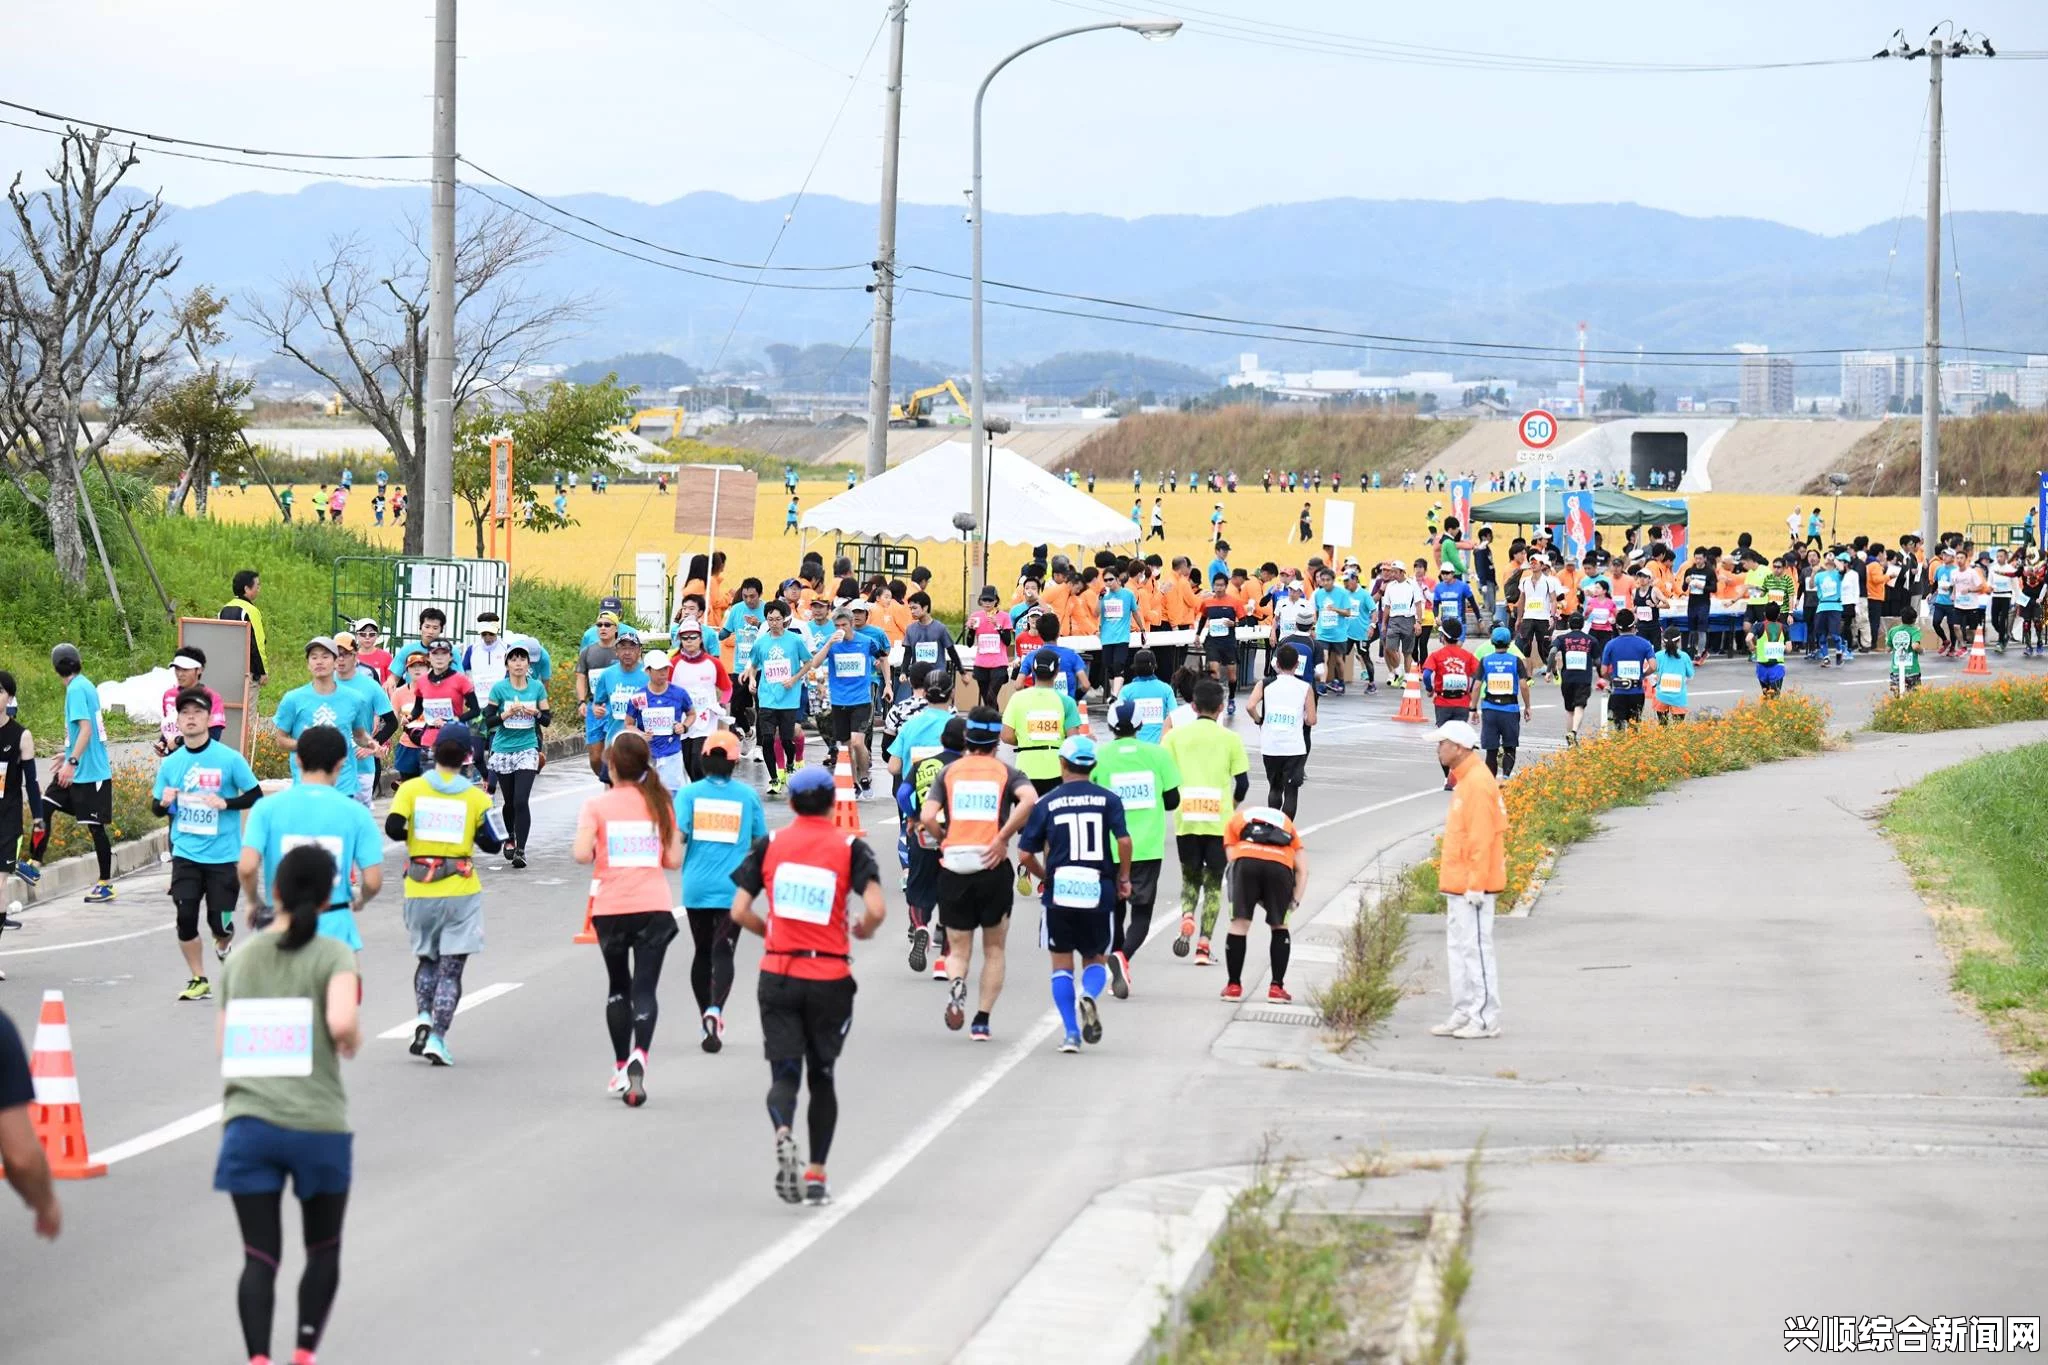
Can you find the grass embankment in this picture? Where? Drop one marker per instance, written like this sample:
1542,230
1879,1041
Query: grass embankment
1962,706
1976,839
1252,440
1993,455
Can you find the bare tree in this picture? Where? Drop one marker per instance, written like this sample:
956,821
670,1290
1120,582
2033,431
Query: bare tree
77,287
361,325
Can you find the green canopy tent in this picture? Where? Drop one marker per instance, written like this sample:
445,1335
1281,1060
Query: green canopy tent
1611,507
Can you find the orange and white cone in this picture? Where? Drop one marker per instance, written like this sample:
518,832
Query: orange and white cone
845,800
56,1115
1979,661
1411,698
588,933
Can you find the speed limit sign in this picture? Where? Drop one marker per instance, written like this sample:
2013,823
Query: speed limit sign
1538,429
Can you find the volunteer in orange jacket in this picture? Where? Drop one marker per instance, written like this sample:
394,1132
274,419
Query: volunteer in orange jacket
1471,871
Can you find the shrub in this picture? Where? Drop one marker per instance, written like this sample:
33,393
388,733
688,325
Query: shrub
132,816
1962,706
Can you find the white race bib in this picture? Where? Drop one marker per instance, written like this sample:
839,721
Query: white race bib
1282,720
1219,626
1137,790
975,800
1456,684
1327,619
715,822
1575,660
988,643
659,720
1149,710
267,1038
1628,670
632,843
1112,608
775,670
522,721
1077,888
437,710
440,820
927,651
1201,803
802,893
849,666
201,821
622,701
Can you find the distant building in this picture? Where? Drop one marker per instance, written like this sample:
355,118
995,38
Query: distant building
2033,383
1319,385
1873,380
1766,384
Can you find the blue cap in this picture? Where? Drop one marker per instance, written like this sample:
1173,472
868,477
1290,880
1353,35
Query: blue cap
810,780
454,729
1078,752
1502,635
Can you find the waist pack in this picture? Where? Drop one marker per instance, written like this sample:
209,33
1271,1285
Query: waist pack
427,871
1265,832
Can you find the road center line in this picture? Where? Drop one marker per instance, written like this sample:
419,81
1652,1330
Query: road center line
159,1137
668,1337
476,997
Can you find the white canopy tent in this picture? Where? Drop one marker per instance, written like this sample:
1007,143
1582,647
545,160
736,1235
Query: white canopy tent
918,498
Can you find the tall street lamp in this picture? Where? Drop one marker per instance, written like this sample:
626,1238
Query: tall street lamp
1153,30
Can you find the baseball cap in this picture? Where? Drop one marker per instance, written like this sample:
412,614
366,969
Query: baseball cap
1459,733
689,627
1045,663
723,742
810,780
1078,752
368,623
343,640
440,645
489,625
991,595
656,658
610,604
326,642
629,636
454,729
607,618
1502,635
859,604
517,648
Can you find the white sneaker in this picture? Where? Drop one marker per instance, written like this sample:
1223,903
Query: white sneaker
1476,1029
1449,1027
618,1082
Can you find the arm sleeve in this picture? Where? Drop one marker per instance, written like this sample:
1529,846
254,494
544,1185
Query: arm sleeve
243,800
747,876
862,870
32,789
387,726
1239,786
394,827
157,807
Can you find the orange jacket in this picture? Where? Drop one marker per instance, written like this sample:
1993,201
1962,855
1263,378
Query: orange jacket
1151,603
1475,854
1180,598
893,618
1084,611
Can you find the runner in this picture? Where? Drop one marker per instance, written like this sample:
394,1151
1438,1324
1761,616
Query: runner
743,623
1144,777
598,653
1767,647
349,672
991,630
195,785
82,781
21,796
1215,776
324,701
1334,607
701,675
807,870
1038,719
1086,870
1118,607
1284,709
1623,663
1539,591
1216,618
1902,643
662,713
1150,698
975,807
720,821
773,671
442,697
852,659
187,669
288,1017
1449,675
442,818
516,712
629,834
1504,703
433,626
312,810
1574,658
1674,669
613,692
1268,868
1400,612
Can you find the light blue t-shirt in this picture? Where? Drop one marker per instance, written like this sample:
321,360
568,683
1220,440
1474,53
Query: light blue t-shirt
742,624
313,813
785,693
1154,703
1331,622
919,737
1944,583
719,820
1827,590
347,708
82,716
616,690
1359,625
200,834
1674,677
1117,609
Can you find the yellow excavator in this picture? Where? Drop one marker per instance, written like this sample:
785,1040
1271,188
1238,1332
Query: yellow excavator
669,420
916,411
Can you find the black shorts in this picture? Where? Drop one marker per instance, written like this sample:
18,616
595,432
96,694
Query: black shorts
1200,851
1448,713
848,721
921,886
1262,882
1537,632
214,883
1576,695
976,900
89,803
1285,770
1144,883
1220,650
641,929
803,1018
1044,785
10,837
1624,707
1087,932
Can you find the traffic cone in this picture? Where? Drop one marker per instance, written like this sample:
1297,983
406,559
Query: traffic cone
56,1115
845,800
588,934
1411,699
1978,663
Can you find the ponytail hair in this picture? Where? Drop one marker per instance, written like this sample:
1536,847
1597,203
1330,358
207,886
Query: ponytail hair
633,763
305,888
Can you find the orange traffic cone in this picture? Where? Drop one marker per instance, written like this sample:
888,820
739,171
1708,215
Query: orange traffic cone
845,800
1978,663
1411,699
56,1115
588,934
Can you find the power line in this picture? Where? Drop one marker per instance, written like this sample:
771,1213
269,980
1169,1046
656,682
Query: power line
209,146
326,172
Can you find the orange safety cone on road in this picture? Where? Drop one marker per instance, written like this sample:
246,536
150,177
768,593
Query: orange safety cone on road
56,1115
588,934
1979,662
845,800
1411,699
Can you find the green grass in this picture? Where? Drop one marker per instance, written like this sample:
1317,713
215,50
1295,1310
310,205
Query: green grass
1251,439
1367,986
1976,838
1992,455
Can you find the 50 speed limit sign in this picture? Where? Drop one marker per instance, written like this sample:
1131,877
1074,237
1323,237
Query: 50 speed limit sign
1538,429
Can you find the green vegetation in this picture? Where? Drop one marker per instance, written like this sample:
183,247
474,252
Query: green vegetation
1993,455
1366,987
1962,706
1447,1334
1252,439
1976,839
766,464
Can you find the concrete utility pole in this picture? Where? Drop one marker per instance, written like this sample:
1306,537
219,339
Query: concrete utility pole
437,469
885,253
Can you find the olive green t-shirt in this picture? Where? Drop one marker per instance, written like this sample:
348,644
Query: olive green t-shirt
261,969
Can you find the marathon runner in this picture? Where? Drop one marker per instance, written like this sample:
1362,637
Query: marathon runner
701,675
187,668
1086,870
662,713
1284,709
743,624
598,653
773,671
1902,643
1624,662
196,788
324,701
1504,702
991,630
1574,658
974,809
313,811
444,697
720,820
1674,670
1268,869
516,712
82,781
1215,776
21,796
614,690
1145,779
1767,644
1150,697
348,672
806,870
1037,721
433,626
850,656
1450,675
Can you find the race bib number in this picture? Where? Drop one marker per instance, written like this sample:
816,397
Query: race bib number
744,639
1670,684
1575,660
438,710
988,643
623,701
975,800
1500,685
715,822
1219,627
632,843
202,821
660,720
1150,710
927,651
1137,790
1771,652
1456,684
920,752
1112,608
1282,720
522,721
849,666
1327,620
1076,888
1044,728
438,820
331,842
267,1038
802,893
1629,670
775,671
1201,803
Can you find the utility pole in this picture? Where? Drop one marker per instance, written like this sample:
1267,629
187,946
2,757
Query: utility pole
1962,43
437,468
885,253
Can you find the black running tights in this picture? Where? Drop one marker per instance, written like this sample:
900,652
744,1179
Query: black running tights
713,935
630,1007
261,1217
823,1115
518,789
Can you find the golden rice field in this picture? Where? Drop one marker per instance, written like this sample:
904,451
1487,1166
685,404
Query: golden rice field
632,519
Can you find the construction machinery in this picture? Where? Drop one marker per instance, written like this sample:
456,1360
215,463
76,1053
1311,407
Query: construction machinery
916,411
660,424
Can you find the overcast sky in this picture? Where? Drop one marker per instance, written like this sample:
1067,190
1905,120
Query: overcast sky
1257,102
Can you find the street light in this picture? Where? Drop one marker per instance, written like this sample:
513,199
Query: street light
1152,30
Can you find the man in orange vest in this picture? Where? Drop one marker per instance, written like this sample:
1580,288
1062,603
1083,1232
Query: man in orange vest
1471,871
801,876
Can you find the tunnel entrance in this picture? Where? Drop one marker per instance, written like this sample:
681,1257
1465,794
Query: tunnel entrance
1659,452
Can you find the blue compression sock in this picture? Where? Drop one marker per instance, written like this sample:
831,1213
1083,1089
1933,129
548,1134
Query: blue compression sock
1063,999
1094,979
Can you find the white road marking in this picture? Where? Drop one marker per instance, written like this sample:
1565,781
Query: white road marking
83,943
1368,810
478,997
159,1137
666,1338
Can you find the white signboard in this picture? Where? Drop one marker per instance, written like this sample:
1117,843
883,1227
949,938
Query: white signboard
1336,523
650,590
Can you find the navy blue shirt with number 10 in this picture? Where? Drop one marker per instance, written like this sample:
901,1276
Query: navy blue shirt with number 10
1074,829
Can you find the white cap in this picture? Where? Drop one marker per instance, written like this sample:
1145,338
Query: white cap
1459,733
656,659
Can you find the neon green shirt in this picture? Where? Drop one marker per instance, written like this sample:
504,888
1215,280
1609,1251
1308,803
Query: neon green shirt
1141,773
1040,717
1209,757
1903,641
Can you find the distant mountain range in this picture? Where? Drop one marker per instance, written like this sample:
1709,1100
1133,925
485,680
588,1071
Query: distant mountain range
1493,271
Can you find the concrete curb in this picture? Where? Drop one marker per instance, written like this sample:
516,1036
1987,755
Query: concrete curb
1426,1295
